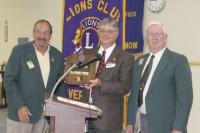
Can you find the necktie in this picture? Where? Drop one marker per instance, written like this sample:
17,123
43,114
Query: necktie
144,80
101,64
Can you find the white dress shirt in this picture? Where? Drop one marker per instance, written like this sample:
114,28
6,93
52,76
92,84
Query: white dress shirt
108,51
156,60
44,65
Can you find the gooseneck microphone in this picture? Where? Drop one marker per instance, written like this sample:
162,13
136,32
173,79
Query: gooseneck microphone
61,78
97,57
78,64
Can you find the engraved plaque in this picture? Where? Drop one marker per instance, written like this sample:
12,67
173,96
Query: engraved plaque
80,76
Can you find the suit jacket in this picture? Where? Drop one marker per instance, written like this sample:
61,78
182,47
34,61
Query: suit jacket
169,97
116,81
23,80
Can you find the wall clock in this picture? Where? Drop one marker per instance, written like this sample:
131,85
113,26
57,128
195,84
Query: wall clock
156,5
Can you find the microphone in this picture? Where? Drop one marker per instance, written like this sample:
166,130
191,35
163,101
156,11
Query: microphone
76,65
97,57
61,78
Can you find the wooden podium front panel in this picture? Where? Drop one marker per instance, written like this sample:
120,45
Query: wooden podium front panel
68,118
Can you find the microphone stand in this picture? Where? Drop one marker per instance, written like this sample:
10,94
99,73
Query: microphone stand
61,78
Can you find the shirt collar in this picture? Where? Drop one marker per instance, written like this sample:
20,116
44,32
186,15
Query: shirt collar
158,54
48,49
108,50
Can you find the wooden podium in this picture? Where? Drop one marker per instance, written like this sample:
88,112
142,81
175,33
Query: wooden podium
69,114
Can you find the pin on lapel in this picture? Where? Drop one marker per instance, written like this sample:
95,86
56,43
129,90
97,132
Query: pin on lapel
114,59
52,60
141,61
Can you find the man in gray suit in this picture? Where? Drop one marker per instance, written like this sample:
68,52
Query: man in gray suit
112,81
32,71
167,94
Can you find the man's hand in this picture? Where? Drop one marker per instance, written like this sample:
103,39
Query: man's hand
24,114
129,129
93,83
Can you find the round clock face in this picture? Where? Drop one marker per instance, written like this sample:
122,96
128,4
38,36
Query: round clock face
156,5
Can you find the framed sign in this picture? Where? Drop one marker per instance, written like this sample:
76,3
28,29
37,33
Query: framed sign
79,76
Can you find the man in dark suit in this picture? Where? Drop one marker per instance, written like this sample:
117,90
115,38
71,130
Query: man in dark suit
167,94
32,70
113,79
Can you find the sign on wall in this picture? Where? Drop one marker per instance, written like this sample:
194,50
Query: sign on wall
81,22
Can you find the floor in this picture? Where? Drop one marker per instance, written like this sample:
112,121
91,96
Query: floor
3,117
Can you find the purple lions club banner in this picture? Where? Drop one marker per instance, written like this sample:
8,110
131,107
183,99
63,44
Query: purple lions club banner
81,20
133,27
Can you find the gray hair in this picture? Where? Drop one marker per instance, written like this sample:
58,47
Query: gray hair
110,21
159,24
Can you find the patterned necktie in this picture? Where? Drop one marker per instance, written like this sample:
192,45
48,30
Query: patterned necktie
144,80
101,64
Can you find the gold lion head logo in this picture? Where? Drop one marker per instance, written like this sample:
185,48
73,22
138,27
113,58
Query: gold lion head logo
77,39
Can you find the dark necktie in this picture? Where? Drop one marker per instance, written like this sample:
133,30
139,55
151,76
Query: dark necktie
101,64
144,80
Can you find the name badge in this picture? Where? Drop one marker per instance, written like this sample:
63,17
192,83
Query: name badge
110,64
30,64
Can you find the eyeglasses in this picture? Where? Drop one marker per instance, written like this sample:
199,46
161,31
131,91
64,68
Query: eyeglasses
110,32
155,34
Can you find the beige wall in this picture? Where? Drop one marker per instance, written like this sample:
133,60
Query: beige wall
21,15
179,16
182,21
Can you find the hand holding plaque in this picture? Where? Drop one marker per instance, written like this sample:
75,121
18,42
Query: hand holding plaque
85,70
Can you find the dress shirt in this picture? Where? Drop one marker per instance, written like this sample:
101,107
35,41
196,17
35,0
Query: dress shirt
108,51
156,60
44,63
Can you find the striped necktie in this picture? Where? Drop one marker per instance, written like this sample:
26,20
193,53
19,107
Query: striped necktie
101,64
144,80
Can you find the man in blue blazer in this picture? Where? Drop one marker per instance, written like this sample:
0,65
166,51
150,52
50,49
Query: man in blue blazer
167,94
32,70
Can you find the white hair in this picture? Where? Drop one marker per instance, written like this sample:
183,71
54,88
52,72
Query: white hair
157,23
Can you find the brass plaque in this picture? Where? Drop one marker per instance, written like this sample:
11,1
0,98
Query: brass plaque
79,76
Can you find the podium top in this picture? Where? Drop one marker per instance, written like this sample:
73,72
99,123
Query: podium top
80,104
74,103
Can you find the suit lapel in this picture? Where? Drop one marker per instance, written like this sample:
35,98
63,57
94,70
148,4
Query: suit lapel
113,57
141,63
52,67
31,56
161,65
114,54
